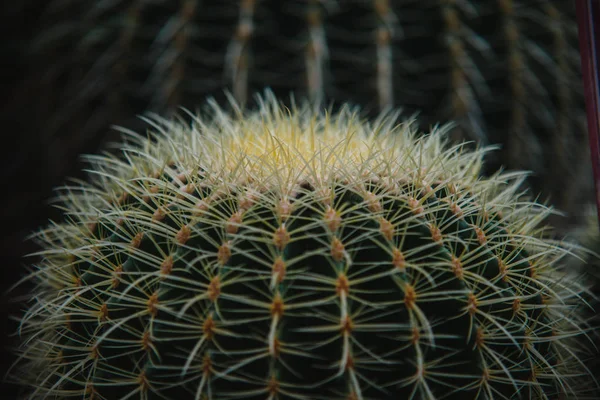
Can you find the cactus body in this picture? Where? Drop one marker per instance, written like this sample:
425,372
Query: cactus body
285,254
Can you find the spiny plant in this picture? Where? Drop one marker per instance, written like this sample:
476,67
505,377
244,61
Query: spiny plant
295,254
506,71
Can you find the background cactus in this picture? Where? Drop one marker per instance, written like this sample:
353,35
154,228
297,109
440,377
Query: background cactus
506,71
287,254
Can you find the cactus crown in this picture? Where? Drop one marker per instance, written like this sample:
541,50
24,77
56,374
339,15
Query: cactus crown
285,254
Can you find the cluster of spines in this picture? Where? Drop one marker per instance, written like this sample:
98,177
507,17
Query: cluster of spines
402,274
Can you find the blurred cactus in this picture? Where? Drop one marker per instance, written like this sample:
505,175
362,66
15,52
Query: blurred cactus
506,71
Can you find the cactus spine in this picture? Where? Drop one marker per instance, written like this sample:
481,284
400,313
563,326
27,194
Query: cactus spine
288,254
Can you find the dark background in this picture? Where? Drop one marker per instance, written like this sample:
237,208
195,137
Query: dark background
23,183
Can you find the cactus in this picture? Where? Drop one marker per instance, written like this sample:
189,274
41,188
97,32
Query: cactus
294,254
506,71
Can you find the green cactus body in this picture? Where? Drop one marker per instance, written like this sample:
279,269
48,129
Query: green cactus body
284,254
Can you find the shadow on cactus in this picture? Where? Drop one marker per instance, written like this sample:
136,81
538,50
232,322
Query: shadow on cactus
288,254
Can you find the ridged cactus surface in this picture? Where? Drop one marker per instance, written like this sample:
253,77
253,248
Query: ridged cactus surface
506,71
288,254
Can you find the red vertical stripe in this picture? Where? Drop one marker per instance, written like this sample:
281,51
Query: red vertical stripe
588,19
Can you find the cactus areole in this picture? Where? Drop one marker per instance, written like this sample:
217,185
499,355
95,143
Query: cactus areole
288,254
